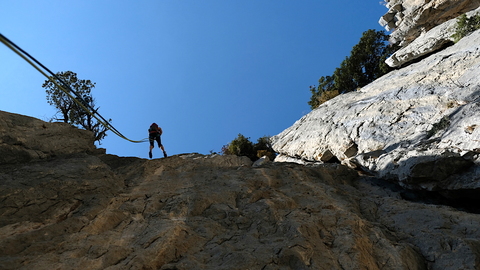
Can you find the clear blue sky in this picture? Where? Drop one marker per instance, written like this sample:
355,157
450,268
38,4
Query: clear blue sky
204,70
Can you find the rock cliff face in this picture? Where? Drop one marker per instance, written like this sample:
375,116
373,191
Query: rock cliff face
389,180
416,126
81,209
422,27
431,41
411,18
24,139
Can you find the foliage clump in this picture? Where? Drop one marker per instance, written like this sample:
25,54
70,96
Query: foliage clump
365,64
466,25
70,111
242,146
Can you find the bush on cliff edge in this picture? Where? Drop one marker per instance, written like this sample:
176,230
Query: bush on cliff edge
242,146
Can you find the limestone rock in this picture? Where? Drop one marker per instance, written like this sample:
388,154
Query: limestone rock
94,211
434,40
416,115
411,18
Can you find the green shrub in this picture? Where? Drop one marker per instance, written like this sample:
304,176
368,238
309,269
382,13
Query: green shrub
365,64
322,97
242,146
263,147
465,26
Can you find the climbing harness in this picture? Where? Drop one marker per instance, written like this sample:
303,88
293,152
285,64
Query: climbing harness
65,88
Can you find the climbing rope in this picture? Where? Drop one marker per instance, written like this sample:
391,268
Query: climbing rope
65,88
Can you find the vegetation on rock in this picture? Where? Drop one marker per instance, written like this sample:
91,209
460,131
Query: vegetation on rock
242,146
466,25
70,111
365,64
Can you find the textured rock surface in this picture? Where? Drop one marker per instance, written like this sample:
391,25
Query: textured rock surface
33,139
96,211
434,40
410,18
403,126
